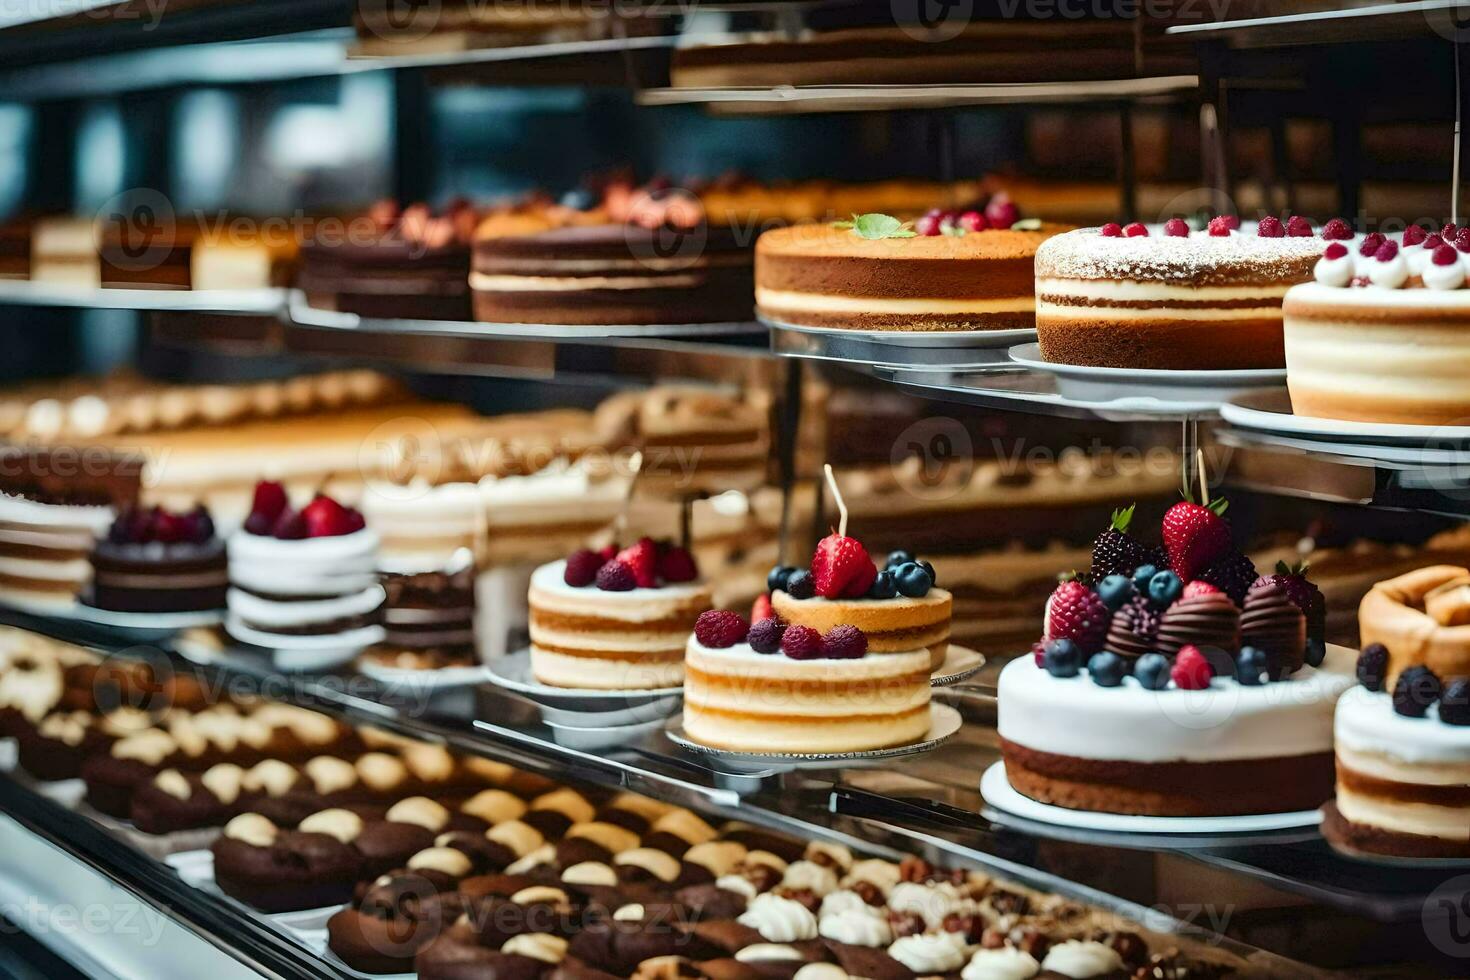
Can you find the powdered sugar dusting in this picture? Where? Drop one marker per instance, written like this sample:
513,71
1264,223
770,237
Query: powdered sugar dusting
1199,259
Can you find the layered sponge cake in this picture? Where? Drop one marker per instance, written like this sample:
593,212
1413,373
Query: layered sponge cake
1170,297
785,688
1403,735
616,620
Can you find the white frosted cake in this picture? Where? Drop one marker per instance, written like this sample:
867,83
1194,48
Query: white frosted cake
44,548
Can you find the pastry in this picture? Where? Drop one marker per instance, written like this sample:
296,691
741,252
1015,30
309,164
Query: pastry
277,870
614,620
153,560
428,619
1170,297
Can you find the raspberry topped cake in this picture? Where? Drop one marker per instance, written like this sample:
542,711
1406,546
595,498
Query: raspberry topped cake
1403,735
1381,334
1189,684
154,560
1169,296
617,619
300,576
787,688
949,270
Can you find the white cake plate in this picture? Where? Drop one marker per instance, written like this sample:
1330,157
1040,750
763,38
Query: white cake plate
597,737
74,610
1271,412
579,707
400,680
971,349
1146,389
944,722
304,653
960,663
1003,797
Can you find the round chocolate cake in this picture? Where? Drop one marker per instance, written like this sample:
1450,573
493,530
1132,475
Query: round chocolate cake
156,561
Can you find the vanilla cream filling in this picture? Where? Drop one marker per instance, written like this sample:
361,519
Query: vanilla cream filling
549,591
1123,289
559,670
780,299
1058,311
611,641
1424,819
75,570
1382,765
572,284
830,735
1381,358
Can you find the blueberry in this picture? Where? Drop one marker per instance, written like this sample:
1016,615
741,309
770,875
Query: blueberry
777,578
1116,590
1252,667
1106,669
885,586
1164,587
1141,576
1454,706
1373,666
1062,658
912,580
1152,671
930,569
1316,651
1417,688
896,558
801,585
580,199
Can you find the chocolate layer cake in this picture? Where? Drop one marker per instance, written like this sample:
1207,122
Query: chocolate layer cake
429,619
158,577
614,274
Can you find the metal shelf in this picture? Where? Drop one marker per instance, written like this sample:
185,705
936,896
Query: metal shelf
246,302
1365,22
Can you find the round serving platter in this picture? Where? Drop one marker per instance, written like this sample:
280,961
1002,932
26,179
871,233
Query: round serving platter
898,349
153,624
1003,801
1179,391
944,722
960,663
583,708
1271,412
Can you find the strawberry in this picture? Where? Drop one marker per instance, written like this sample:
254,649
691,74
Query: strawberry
1075,612
1198,587
1195,536
676,565
841,568
270,500
642,558
761,609
325,518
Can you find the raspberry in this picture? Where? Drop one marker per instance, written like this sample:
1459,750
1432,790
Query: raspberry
1038,652
1197,588
1075,612
1414,235
1298,227
1111,230
1001,211
801,643
1220,227
1445,255
1335,251
609,552
1448,231
1387,252
1337,230
1370,243
1191,671
1135,230
720,628
844,643
1462,239
677,565
973,221
614,576
765,636
1432,241
582,566
1270,227
1231,221
1176,228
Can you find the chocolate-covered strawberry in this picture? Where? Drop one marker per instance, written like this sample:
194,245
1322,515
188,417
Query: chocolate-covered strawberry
1305,595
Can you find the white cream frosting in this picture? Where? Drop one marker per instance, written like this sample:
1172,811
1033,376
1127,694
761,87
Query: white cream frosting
253,829
881,874
1441,277
779,920
1073,716
856,927
930,902
818,879
821,971
843,901
538,946
1336,272
757,952
1081,959
930,953
718,857
1366,723
1391,274
1006,963
549,589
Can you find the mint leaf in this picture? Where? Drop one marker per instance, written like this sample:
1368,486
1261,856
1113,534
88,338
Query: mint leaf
1029,224
844,225
876,226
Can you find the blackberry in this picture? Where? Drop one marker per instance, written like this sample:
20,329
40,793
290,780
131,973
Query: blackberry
1116,552
1233,575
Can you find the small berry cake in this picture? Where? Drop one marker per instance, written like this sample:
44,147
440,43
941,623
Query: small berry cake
298,577
153,560
774,687
1170,297
1172,680
615,619
1403,735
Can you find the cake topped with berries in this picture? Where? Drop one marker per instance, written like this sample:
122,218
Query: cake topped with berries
1380,334
615,619
155,560
1403,735
964,269
1165,657
774,686
898,608
1173,296
297,575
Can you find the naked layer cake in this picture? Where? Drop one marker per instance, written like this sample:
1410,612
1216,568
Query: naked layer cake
1403,735
1171,297
875,273
1189,685
618,619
